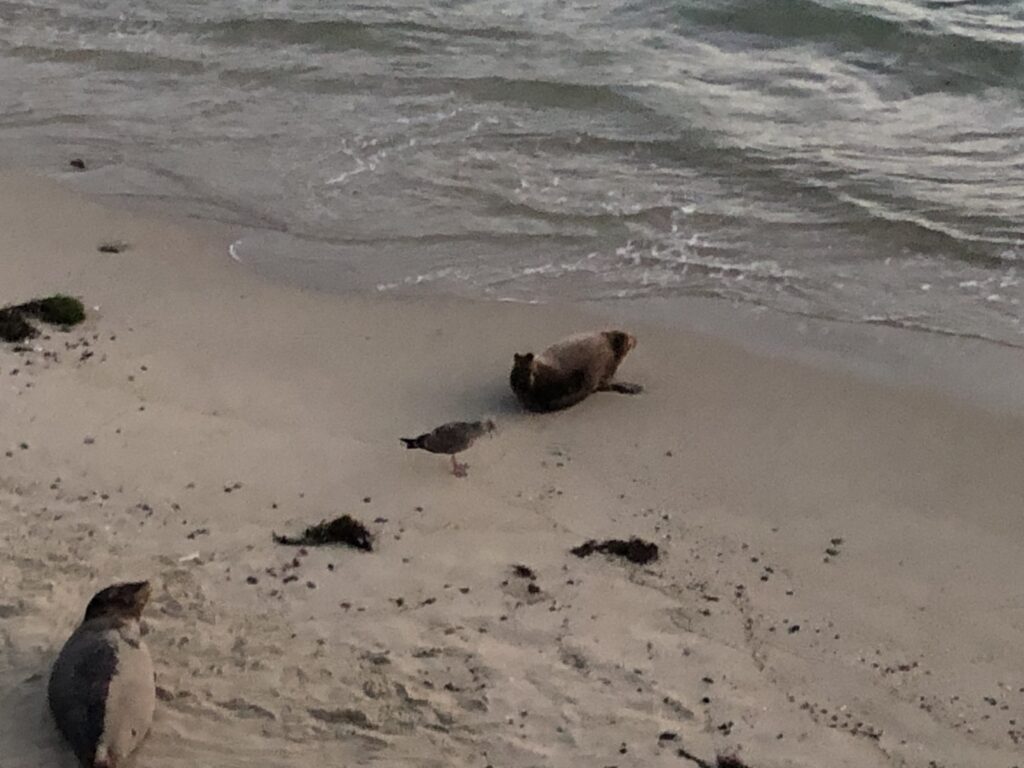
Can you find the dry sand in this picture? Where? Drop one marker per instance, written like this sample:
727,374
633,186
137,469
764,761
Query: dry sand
200,408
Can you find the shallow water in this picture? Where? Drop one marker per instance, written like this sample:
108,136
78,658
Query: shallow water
854,160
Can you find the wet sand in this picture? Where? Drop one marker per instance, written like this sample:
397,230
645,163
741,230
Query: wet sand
839,571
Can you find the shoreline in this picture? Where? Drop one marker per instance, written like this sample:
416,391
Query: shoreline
745,469
982,370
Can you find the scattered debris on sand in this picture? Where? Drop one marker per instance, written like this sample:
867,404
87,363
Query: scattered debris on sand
834,550
635,550
524,572
60,310
341,530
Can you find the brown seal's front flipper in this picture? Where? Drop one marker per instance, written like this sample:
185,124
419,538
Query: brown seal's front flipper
622,387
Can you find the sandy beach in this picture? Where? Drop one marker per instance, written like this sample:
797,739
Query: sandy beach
840,570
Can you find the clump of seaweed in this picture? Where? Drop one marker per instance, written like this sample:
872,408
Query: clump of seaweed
341,530
635,550
14,327
524,572
55,310
61,310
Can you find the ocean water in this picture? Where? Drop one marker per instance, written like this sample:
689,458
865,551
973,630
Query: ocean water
862,161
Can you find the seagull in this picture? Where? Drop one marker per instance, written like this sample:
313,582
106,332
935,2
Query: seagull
451,438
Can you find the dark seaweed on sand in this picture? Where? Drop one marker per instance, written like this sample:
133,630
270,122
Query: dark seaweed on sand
341,530
524,572
14,327
56,310
635,550
721,761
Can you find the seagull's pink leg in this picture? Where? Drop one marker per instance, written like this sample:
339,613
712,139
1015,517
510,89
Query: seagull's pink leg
459,470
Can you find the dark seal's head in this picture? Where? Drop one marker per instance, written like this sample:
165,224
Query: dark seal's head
120,601
521,378
620,342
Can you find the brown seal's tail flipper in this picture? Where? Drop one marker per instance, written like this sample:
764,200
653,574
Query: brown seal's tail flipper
410,442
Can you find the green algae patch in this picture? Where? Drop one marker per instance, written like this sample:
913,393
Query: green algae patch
55,310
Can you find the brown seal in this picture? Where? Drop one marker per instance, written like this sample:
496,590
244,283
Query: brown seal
102,692
451,438
570,370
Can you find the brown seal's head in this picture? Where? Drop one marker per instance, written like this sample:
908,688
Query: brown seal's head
621,343
122,601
